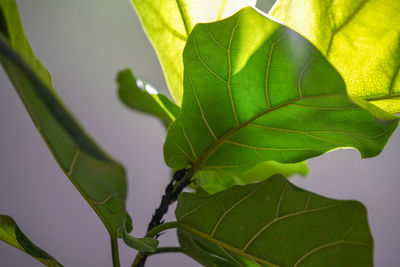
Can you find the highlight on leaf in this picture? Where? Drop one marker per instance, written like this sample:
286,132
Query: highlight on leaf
256,91
361,38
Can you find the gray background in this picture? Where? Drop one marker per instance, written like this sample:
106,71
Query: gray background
84,43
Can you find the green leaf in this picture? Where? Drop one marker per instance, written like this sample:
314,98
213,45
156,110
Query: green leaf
194,249
361,38
274,223
146,244
11,234
213,181
168,24
256,91
140,96
99,179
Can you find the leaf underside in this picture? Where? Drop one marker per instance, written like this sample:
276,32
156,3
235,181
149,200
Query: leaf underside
11,234
99,179
274,223
213,181
361,38
256,91
168,24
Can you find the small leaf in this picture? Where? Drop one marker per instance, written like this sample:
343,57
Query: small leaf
99,179
256,91
360,38
146,244
274,223
140,96
214,181
11,234
168,24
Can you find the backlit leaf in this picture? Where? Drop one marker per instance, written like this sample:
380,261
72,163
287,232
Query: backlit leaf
361,38
256,91
168,24
213,181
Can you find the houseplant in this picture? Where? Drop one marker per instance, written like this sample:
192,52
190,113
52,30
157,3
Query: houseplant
106,198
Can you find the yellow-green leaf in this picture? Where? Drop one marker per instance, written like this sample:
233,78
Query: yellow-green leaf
257,91
361,38
168,24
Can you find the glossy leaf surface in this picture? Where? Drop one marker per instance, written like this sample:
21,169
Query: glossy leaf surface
274,223
140,96
361,38
11,234
213,181
99,179
168,24
256,91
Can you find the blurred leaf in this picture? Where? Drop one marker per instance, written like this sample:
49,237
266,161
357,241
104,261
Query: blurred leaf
361,38
11,234
213,181
146,244
140,96
99,179
168,24
251,96
274,223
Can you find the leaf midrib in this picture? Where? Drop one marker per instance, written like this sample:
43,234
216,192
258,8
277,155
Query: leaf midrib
211,149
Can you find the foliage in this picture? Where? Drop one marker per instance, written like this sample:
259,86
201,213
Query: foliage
254,99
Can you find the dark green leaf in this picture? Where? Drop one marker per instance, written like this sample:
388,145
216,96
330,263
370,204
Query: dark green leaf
168,23
361,38
274,223
217,180
11,234
256,91
146,244
99,179
141,96
193,249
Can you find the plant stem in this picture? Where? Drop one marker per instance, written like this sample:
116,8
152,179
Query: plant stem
161,227
172,191
167,250
114,252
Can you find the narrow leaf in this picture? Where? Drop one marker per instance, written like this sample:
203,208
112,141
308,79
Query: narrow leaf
99,179
214,181
11,234
256,91
140,96
168,24
361,38
146,244
274,223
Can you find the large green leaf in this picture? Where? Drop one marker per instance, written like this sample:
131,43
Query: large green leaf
274,223
11,234
257,91
99,179
361,38
213,181
140,96
168,24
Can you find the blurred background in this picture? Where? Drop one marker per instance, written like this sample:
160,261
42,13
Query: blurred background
83,44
